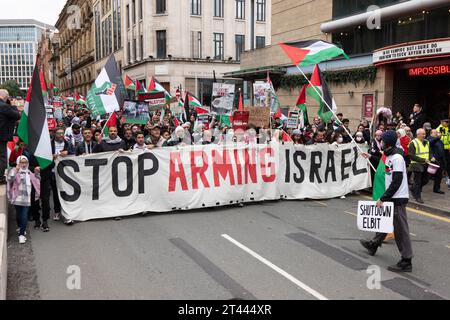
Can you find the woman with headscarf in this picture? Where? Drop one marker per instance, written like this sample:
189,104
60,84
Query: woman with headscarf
21,180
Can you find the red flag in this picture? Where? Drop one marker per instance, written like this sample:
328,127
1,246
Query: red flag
112,122
286,137
241,104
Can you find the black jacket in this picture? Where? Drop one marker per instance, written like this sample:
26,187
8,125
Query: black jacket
106,147
81,148
419,120
8,117
438,150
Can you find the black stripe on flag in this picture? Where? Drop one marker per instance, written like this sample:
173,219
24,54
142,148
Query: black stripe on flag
36,113
327,96
304,44
115,77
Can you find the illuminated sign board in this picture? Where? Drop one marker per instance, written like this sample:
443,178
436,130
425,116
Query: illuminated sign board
429,71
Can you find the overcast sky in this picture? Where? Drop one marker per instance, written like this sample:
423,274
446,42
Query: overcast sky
46,11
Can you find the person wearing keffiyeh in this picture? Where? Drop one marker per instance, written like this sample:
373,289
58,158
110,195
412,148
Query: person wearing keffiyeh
20,182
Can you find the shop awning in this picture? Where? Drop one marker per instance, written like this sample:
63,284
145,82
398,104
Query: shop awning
256,73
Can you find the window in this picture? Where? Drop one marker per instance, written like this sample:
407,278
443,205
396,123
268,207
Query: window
98,46
196,7
161,44
260,10
128,16
260,42
160,6
141,12
218,46
134,50
240,9
218,8
141,46
196,44
133,12
129,52
240,46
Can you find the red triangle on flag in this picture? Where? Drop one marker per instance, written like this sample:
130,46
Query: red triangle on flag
295,54
241,104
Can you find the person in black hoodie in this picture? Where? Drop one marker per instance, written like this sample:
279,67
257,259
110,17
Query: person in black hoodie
438,153
8,117
417,118
397,192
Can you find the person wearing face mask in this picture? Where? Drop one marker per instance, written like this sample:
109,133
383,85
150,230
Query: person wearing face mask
396,186
20,180
359,138
177,139
337,139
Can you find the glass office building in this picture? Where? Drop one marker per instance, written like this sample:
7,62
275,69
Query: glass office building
18,49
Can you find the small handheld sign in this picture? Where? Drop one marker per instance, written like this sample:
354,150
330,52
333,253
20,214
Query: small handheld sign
374,219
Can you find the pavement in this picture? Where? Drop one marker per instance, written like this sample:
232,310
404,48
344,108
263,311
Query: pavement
433,202
3,242
299,250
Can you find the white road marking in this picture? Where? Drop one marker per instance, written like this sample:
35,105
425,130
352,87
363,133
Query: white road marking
321,203
414,235
277,269
353,214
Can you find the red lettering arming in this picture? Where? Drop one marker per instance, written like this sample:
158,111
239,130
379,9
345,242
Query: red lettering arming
199,171
270,164
222,166
250,166
238,167
176,172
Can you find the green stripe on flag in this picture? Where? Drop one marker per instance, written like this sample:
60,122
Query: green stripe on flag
379,181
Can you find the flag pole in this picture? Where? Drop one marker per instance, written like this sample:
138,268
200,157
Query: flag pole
334,114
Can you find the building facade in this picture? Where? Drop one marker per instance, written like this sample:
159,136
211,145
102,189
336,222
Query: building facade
46,51
18,49
76,67
108,32
191,43
399,54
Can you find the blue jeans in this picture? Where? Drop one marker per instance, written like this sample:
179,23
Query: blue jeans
22,218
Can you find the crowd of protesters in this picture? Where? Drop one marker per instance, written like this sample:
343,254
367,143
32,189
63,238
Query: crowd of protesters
79,134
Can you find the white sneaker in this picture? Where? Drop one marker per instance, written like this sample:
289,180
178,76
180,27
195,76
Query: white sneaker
18,230
343,197
22,239
57,217
68,222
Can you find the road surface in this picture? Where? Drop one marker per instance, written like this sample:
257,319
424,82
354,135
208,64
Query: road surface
268,250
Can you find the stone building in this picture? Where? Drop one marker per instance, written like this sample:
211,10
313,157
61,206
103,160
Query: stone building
76,68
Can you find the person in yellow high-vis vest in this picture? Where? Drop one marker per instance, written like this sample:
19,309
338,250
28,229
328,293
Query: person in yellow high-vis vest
419,152
445,137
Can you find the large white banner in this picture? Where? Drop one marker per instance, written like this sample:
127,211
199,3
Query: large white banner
162,180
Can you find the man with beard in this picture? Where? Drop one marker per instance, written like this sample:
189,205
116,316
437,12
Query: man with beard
112,143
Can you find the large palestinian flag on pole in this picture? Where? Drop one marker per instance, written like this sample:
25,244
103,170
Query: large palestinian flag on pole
319,90
156,87
33,127
310,52
44,87
108,92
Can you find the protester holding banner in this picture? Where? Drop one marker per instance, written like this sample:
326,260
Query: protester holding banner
396,191
87,145
112,143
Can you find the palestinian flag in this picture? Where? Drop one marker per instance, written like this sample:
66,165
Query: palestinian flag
139,88
129,83
195,103
156,87
108,92
79,99
321,92
186,108
44,87
112,122
301,104
379,180
306,53
226,120
33,126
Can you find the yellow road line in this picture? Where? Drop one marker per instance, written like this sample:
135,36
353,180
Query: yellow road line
422,213
322,203
353,214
